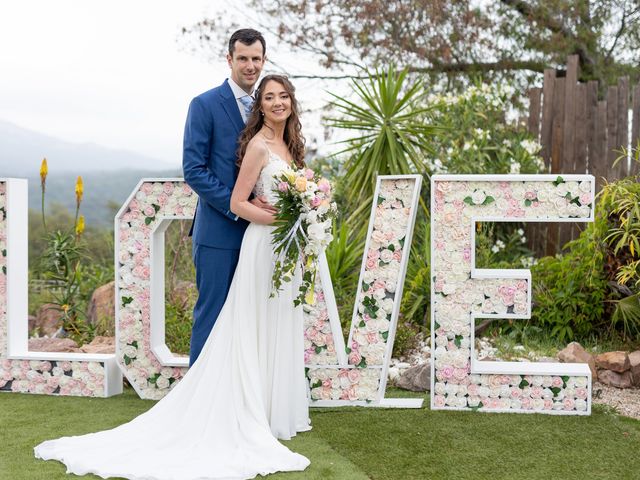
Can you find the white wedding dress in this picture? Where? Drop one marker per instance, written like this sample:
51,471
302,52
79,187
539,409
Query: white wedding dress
246,388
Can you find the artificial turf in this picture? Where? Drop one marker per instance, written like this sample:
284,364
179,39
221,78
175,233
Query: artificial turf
361,443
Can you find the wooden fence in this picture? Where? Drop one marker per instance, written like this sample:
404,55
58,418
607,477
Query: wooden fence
581,127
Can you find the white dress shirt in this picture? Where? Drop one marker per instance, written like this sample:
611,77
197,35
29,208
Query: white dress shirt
239,93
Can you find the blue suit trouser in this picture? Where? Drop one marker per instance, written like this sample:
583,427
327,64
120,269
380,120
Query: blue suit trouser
214,272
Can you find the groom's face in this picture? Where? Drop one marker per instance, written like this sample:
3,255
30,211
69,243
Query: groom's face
246,64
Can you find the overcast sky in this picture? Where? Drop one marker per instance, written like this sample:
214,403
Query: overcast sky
111,73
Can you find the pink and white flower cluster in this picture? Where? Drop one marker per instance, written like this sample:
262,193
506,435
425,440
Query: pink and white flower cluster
458,296
53,377
378,283
350,384
511,392
319,346
152,201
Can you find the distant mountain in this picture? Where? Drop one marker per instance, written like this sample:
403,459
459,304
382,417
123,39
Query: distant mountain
22,150
109,175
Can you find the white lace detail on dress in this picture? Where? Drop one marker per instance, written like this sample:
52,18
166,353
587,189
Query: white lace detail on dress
266,184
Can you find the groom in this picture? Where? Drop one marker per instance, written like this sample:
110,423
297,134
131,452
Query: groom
213,125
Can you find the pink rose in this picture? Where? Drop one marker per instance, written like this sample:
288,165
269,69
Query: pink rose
355,358
324,186
581,392
149,211
585,198
459,373
530,195
439,401
167,187
373,254
372,338
308,173
315,202
447,372
371,264
568,403
354,375
557,382
283,186
147,188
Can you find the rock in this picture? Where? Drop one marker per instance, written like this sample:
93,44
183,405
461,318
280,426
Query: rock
574,353
101,310
31,319
416,378
100,345
48,319
393,373
183,293
53,345
616,361
634,362
615,379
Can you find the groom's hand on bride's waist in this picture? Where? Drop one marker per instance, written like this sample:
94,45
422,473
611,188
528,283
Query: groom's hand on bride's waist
261,202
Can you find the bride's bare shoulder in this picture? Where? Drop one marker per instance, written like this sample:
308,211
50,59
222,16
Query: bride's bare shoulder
257,150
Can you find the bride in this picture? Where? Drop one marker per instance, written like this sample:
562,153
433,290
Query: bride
248,387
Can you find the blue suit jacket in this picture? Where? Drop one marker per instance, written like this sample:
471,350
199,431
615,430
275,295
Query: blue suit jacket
211,136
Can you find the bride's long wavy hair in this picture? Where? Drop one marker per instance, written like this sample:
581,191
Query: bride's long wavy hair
293,128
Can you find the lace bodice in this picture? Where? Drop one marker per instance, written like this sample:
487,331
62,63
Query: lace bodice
266,184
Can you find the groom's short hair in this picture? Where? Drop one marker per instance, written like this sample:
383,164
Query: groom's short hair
247,36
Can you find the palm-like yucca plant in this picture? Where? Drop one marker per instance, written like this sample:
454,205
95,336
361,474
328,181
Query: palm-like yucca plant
391,134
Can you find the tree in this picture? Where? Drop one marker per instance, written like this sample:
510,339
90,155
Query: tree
513,39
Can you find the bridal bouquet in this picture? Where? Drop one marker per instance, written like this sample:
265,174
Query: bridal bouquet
303,228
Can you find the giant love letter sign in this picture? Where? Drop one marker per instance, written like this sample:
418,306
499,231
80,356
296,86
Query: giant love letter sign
461,293
90,375
337,375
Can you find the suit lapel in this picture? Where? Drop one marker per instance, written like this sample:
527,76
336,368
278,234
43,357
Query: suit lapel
230,105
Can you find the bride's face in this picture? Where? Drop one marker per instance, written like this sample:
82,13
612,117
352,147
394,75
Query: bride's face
276,103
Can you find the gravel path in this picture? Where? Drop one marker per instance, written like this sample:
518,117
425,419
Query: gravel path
625,401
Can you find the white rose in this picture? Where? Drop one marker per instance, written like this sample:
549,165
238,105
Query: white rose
386,255
130,351
581,382
478,197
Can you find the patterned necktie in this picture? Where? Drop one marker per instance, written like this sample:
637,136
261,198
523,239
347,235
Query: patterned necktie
247,103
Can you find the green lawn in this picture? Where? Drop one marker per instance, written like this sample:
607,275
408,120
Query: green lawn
361,443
